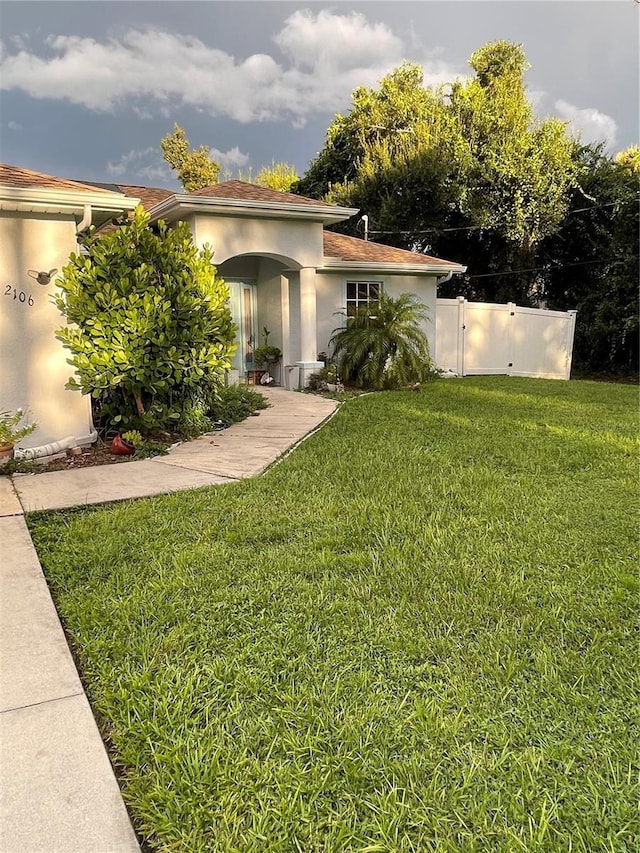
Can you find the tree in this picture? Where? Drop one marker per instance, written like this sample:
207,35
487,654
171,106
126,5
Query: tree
370,149
150,329
630,159
520,171
462,171
592,262
278,176
383,344
195,168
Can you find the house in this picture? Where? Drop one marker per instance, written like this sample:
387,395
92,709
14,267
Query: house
284,270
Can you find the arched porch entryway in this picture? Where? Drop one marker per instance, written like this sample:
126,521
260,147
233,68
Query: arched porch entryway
274,292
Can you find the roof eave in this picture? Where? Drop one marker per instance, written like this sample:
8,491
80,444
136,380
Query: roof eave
240,207
40,200
332,264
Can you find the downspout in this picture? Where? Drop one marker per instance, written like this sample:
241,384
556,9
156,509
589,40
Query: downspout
46,449
85,222
68,442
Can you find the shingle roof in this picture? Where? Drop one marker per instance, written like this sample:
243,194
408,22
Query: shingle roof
19,178
233,190
349,249
356,249
242,191
149,196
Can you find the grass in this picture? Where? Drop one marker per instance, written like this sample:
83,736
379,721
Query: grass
416,633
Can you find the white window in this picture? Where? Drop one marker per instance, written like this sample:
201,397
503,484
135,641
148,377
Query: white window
361,293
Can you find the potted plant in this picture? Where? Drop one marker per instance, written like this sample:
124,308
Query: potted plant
11,433
124,443
332,377
267,354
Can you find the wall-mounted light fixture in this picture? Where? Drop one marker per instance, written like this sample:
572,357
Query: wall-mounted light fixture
42,277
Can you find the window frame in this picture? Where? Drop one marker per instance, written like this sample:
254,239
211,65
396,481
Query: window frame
358,301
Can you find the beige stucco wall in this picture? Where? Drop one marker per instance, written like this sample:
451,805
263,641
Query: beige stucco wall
265,249
270,301
230,236
33,367
267,275
331,300
284,245
239,268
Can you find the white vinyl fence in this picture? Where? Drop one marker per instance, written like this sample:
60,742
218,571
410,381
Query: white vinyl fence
485,337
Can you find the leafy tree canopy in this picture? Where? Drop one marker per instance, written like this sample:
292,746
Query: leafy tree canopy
520,171
278,176
629,159
195,168
591,262
469,156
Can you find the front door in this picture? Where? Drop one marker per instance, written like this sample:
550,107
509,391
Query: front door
244,311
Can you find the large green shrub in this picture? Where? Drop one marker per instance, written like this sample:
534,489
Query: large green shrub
149,325
383,345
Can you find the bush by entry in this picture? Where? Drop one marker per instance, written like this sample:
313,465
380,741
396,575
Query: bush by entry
150,328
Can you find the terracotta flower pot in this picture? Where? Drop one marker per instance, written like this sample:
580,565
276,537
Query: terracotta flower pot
121,447
6,453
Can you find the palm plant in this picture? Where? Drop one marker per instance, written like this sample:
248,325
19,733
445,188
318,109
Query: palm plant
10,432
383,344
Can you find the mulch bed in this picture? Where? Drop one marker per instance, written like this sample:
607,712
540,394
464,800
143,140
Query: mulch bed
99,453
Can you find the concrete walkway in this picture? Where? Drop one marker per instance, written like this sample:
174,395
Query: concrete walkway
58,793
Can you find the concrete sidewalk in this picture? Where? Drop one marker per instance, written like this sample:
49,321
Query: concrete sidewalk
58,793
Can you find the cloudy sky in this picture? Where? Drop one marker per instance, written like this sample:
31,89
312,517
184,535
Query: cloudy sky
90,88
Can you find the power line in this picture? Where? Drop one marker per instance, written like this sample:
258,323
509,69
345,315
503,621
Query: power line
431,230
488,228
551,269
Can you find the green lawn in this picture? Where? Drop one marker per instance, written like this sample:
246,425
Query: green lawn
416,633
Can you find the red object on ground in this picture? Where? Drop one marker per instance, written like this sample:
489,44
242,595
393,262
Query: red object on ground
121,447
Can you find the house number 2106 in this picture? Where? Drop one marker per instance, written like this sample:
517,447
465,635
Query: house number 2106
20,295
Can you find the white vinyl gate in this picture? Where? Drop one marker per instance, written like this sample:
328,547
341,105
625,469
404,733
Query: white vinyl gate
486,337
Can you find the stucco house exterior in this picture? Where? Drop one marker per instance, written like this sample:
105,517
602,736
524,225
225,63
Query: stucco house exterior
284,271
40,216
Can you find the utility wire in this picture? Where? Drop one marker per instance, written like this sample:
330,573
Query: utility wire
550,269
431,230
488,228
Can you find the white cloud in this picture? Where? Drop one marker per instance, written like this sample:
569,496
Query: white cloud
337,43
537,98
590,123
232,159
325,55
157,172
14,125
21,41
121,166
142,163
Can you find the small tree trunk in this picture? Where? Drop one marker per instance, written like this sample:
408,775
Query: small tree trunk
139,404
